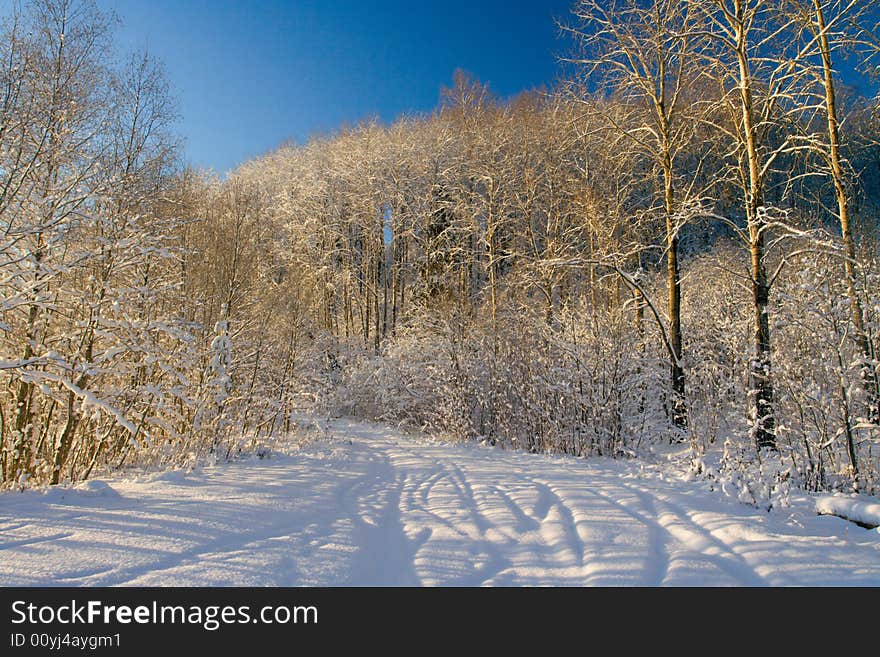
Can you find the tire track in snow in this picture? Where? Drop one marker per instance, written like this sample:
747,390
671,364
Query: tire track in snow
677,522
469,548
548,523
372,507
553,500
466,493
657,560
524,522
385,554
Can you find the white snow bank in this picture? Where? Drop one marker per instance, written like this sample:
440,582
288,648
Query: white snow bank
87,492
97,488
856,509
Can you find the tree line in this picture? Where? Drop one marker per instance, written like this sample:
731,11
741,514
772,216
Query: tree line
676,243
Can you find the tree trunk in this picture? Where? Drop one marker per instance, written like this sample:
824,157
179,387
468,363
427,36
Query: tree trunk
867,372
66,439
760,381
760,394
673,284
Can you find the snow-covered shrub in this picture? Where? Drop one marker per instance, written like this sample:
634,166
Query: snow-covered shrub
560,387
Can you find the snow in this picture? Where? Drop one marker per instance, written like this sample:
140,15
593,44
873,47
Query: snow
857,509
370,505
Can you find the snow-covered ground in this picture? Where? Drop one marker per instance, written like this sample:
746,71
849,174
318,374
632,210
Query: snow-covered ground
371,506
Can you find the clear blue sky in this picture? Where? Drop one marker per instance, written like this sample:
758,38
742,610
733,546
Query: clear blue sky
250,74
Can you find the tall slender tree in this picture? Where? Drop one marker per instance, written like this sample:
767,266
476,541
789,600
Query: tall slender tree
643,52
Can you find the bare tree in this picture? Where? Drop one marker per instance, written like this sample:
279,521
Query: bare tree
756,83
643,52
827,27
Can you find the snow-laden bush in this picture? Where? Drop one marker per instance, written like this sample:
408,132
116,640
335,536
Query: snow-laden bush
560,387
822,433
761,480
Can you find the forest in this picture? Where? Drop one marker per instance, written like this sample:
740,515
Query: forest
675,244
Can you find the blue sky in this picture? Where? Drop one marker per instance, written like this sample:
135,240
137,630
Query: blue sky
252,74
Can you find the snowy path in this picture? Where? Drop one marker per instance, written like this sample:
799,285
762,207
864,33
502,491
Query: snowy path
372,507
